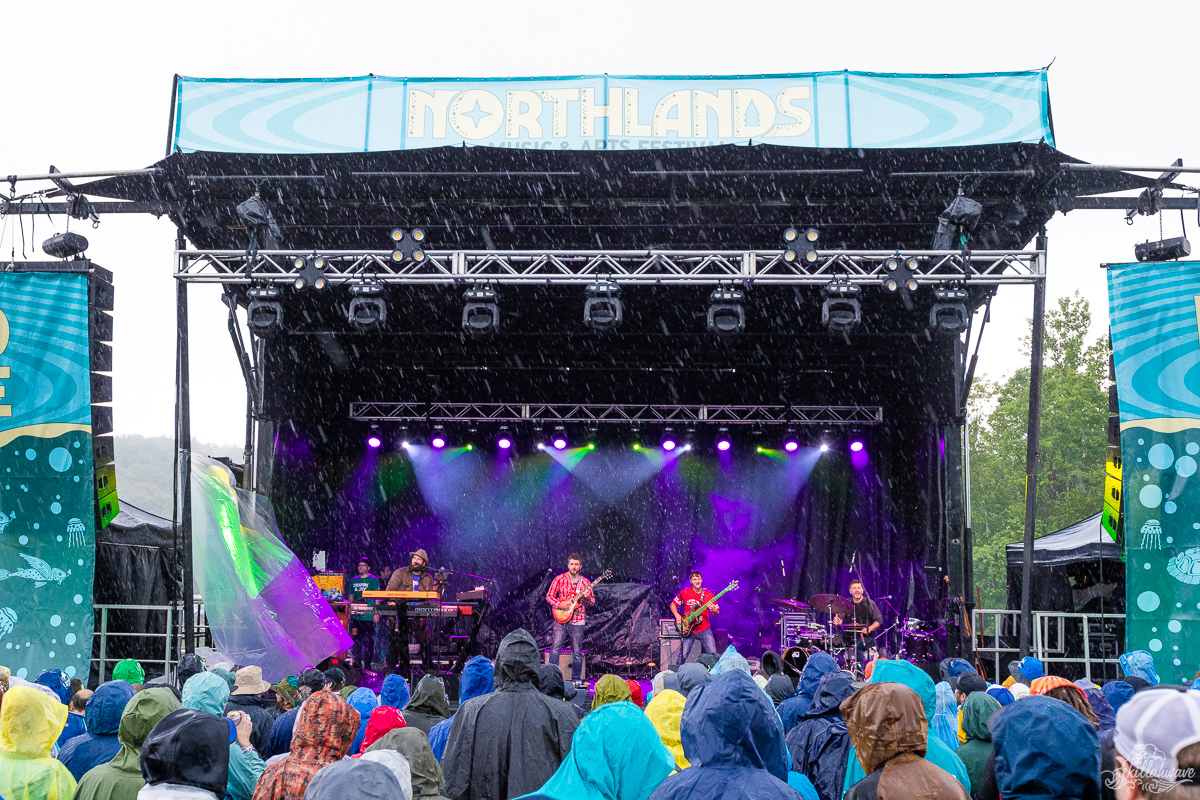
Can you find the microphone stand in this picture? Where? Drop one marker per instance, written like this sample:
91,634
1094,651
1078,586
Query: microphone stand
897,613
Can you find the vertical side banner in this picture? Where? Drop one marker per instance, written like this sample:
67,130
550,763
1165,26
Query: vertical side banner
47,526
1156,348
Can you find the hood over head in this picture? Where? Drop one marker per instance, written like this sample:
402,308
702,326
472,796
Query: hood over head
730,659
635,692
1026,767
105,707
665,712
912,676
1101,708
550,681
687,678
354,779
129,670
30,722
818,665
382,720
1139,664
364,702
885,720
206,691
831,691
1118,693
770,664
57,682
325,727
142,713
397,765
1001,695
779,688
729,722
517,661
427,778
189,664
188,748
478,677
976,711
610,689
430,698
395,691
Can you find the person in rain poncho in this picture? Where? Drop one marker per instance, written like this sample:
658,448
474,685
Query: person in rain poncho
324,731
210,693
121,778
309,682
819,742
974,753
395,763
912,676
616,755
888,725
364,702
791,709
55,681
186,757
1118,693
779,688
1138,664
355,779
477,677
510,742
551,683
383,720
395,691
427,780
99,745
730,659
1042,749
131,671
945,715
686,679
428,705
610,689
635,693
30,723
665,712
734,741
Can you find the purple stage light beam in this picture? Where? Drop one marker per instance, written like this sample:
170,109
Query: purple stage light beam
504,443
560,443
723,444
438,442
374,441
856,446
668,445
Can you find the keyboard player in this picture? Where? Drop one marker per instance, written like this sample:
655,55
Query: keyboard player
416,577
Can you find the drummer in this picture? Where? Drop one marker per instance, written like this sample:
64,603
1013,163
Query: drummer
864,618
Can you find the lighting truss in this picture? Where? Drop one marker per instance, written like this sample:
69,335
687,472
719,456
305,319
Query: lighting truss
626,267
627,413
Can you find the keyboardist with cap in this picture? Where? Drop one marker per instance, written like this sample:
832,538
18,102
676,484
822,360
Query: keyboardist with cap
415,577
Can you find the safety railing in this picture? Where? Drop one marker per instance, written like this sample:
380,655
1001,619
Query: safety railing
172,635
1090,641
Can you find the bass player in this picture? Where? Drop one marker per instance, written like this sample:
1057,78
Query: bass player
563,590
691,599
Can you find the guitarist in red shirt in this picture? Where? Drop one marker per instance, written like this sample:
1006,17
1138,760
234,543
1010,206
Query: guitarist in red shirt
563,590
691,599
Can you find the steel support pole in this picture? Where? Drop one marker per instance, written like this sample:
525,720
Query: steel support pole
183,459
1032,442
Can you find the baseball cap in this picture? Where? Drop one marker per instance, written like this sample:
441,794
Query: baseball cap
970,682
1154,726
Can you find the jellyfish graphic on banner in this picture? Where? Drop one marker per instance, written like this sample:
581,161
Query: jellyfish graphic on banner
261,604
1156,349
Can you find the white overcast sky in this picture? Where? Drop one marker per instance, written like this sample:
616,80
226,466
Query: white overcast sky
87,87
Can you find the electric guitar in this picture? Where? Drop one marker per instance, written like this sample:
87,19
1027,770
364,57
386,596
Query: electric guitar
685,627
564,614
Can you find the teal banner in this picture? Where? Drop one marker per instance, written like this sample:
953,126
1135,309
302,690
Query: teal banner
47,501
1156,348
609,112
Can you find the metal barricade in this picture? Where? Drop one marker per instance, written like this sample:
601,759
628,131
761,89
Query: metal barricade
173,643
1051,642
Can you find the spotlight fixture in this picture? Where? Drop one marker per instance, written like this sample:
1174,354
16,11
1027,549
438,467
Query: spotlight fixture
402,436
790,443
668,439
65,245
602,310
841,311
824,447
264,314
899,277
504,438
539,437
801,248
689,439
437,437
856,446
726,316
408,246
723,441
481,314
368,309
1163,250
310,271
949,315
592,432
374,440
559,439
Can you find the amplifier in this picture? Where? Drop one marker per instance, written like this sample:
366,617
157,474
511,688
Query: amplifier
666,629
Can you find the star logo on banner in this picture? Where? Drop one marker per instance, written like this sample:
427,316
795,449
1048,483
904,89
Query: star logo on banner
476,113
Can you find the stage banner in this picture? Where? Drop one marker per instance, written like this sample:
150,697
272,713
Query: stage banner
1154,321
47,498
609,112
262,606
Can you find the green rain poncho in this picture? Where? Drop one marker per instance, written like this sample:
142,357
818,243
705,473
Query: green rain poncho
121,778
30,723
976,712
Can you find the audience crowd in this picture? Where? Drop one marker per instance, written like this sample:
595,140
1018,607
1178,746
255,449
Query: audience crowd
715,729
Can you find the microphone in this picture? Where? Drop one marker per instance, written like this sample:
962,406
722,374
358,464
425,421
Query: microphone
782,571
884,597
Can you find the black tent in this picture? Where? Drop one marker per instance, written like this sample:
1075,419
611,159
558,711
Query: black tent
1078,569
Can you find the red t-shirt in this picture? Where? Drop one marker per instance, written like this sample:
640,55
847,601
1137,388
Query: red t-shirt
689,600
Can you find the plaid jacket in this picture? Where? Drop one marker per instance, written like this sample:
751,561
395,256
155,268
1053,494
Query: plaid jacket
560,589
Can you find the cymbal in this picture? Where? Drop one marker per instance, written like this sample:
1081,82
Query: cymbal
794,605
824,602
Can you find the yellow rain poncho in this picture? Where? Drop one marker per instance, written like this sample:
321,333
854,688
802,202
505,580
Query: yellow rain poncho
30,723
665,711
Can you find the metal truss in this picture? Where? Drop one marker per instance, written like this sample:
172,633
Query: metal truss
616,413
696,267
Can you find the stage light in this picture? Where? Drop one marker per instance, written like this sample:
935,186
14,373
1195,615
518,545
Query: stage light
637,446
310,271
559,439
956,222
504,438
602,310
437,437
591,446
689,439
374,440
790,443
856,446
408,246
949,316
264,314
368,309
481,314
69,245
723,441
402,436
900,277
1164,250
824,447
726,316
668,439
801,248
841,311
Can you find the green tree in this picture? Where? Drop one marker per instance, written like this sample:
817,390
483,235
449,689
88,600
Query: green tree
1072,451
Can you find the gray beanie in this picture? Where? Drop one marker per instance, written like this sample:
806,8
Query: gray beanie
1154,726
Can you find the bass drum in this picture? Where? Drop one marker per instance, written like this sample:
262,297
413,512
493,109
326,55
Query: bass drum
794,659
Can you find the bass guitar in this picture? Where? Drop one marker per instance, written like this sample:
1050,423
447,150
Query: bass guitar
564,615
685,625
